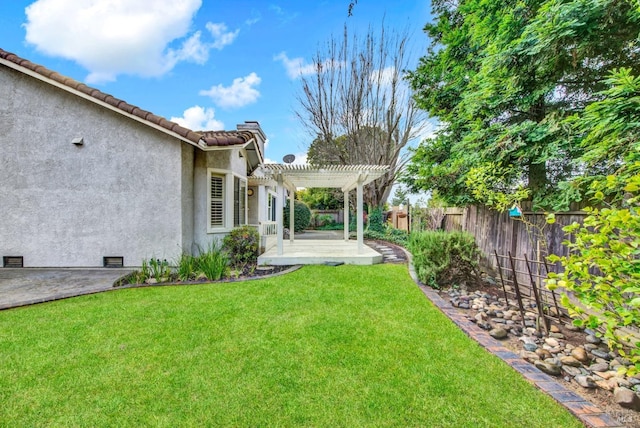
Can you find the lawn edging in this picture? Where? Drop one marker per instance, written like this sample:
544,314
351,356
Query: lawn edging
588,413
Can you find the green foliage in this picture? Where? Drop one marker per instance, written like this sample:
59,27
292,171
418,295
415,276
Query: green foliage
159,269
443,259
331,226
242,245
321,198
213,263
400,197
186,267
390,234
376,221
505,80
320,221
608,242
302,215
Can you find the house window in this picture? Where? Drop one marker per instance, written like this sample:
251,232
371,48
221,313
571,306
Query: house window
239,201
271,212
216,200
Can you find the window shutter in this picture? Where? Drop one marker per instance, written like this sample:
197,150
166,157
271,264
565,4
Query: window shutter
216,218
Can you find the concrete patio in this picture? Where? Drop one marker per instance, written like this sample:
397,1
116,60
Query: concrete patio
315,251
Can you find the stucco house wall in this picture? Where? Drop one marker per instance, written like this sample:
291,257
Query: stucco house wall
127,191
228,162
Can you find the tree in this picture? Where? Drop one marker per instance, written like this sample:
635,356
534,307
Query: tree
320,198
399,197
358,107
503,78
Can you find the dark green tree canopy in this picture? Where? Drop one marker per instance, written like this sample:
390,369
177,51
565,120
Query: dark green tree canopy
503,78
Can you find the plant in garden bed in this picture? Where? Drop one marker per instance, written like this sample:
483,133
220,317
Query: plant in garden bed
390,234
213,263
444,258
241,246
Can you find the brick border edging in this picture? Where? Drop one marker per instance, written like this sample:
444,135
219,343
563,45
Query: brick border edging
588,413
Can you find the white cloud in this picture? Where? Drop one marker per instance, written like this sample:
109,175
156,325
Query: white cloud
301,159
199,119
241,92
113,37
221,37
383,77
295,67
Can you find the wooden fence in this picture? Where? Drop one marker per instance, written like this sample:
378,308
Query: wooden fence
498,232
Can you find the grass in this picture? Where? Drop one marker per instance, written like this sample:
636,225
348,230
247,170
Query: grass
323,346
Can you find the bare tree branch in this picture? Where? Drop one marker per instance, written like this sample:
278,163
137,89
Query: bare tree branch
359,107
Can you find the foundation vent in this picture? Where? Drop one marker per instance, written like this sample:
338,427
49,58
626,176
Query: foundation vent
113,262
12,261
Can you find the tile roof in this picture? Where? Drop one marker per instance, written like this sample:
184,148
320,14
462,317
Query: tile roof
211,138
226,138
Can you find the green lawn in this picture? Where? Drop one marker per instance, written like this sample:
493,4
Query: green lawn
324,346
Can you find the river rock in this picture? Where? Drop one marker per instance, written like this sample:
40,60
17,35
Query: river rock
609,384
626,398
599,367
531,347
568,360
557,335
543,353
580,354
606,375
571,371
554,329
548,368
600,353
592,339
498,333
551,342
585,381
530,357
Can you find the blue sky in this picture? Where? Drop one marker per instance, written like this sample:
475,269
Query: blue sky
207,64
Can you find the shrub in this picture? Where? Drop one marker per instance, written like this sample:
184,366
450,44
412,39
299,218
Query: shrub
376,221
302,215
601,270
444,258
396,236
242,245
213,263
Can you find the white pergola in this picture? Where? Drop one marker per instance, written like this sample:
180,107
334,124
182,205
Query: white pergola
343,177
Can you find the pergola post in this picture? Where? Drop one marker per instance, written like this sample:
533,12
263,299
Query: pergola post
346,215
359,219
280,214
291,216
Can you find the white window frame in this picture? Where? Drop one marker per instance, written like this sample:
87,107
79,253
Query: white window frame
271,205
224,175
228,202
244,218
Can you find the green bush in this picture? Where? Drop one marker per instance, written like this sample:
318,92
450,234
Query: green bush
242,245
444,258
602,269
302,215
376,221
332,226
396,236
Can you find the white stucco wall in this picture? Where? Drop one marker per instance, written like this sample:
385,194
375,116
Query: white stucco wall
227,161
117,195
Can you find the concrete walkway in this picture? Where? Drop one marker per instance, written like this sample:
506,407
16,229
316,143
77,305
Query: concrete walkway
26,286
